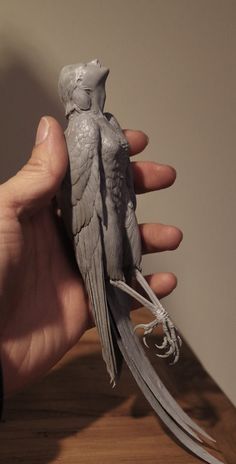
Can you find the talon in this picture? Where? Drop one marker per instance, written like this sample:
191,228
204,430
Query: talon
148,328
171,340
146,332
176,358
139,326
180,340
163,345
167,354
145,342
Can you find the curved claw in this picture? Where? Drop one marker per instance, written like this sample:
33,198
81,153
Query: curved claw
163,345
176,358
167,354
139,326
170,339
180,340
145,342
148,329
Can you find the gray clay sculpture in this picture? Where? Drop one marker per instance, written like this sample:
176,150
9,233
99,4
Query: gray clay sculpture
97,202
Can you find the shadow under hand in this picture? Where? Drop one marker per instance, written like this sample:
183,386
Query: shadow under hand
62,405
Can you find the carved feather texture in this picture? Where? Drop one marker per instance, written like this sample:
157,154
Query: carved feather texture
98,203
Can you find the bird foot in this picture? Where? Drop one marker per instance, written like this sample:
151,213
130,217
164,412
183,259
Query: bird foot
171,340
148,329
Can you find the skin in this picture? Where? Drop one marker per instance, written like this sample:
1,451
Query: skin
44,307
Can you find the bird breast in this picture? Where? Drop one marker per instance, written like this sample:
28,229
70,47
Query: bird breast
115,160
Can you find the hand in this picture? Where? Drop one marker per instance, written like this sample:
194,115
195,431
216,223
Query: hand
44,307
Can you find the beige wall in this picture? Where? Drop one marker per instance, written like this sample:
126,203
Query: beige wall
172,74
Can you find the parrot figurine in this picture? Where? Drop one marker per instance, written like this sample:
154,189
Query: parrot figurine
97,203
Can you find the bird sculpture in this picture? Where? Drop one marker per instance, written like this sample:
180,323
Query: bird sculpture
97,203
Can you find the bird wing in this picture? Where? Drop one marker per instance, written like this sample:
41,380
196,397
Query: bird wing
86,225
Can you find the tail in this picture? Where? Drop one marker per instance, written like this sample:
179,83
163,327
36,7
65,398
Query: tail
95,285
173,416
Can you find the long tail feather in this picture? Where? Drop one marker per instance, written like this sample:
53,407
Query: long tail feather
97,294
178,422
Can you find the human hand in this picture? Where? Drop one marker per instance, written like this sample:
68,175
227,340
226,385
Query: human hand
44,306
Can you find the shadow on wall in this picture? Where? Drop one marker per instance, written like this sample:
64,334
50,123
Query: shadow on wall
24,99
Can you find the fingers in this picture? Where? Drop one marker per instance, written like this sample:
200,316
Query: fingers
137,140
38,181
159,237
162,283
149,176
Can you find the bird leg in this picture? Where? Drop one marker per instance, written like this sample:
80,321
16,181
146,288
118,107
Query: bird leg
127,289
158,313
171,339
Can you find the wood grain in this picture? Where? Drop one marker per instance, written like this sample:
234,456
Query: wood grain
73,416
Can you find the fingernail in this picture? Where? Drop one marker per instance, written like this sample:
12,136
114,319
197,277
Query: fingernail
42,131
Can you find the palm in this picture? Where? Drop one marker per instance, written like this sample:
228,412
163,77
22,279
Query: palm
47,310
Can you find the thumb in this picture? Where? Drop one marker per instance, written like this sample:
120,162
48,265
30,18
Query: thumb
39,179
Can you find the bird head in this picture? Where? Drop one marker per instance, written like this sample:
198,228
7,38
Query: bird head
82,86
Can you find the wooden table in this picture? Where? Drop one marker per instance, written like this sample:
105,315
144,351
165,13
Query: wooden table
73,416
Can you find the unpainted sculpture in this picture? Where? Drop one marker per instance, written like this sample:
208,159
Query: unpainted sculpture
97,203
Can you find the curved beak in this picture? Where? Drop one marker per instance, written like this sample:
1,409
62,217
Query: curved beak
104,71
96,62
